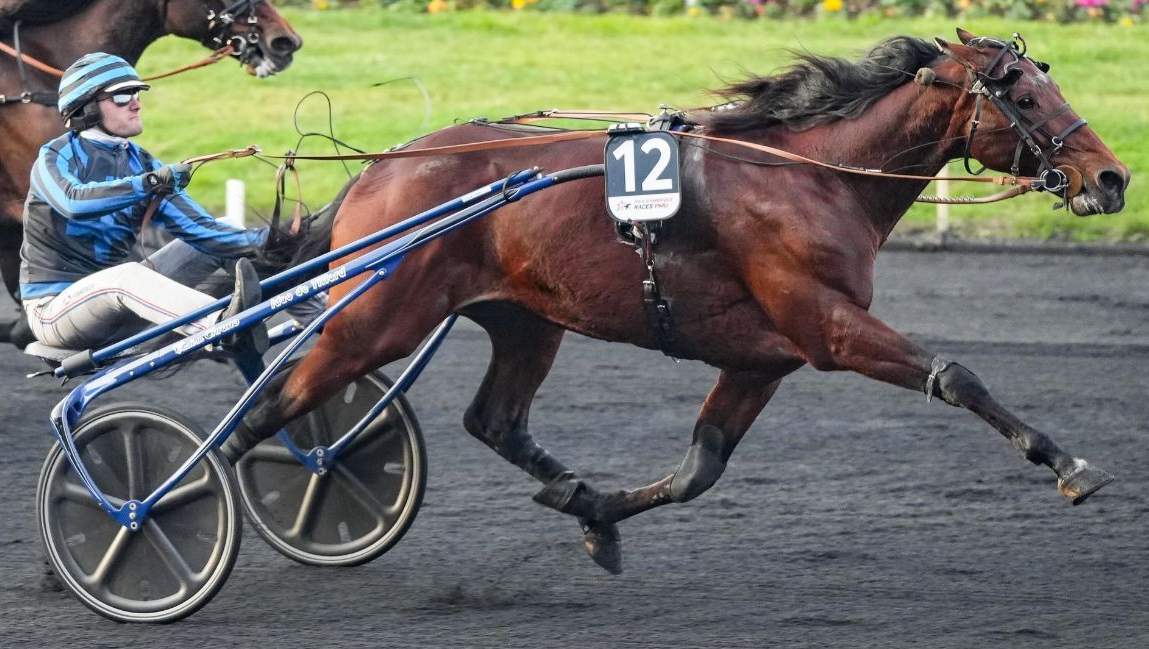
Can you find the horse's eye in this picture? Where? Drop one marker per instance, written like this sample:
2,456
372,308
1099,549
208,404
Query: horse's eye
1026,103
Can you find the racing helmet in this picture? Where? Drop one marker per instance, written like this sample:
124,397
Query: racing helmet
90,76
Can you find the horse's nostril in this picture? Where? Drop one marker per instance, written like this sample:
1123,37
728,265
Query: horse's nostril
284,45
1111,182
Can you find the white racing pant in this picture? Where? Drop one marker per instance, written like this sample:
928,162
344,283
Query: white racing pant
109,304
113,303
118,301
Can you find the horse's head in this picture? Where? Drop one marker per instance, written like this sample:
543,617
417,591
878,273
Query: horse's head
1020,122
260,37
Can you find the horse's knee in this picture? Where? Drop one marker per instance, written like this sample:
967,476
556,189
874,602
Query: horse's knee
958,386
833,348
702,466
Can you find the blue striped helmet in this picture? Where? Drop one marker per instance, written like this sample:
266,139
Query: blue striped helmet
92,74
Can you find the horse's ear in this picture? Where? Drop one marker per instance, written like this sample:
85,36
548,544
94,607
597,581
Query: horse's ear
967,56
964,36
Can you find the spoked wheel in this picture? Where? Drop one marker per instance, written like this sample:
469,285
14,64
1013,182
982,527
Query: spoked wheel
365,501
185,549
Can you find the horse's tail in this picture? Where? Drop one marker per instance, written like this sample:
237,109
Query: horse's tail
286,250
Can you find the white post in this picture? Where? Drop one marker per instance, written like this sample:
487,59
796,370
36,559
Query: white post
234,213
943,217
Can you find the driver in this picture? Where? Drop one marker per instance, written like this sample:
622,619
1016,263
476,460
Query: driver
90,189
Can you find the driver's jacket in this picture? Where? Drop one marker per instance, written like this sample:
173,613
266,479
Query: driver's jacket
85,209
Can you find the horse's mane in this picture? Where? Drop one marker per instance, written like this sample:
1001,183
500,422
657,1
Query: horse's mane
818,89
37,12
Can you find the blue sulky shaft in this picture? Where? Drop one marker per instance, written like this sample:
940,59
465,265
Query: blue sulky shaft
379,263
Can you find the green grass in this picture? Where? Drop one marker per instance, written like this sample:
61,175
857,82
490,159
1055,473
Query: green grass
495,64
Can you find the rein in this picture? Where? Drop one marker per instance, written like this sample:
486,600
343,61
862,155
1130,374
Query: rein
214,57
1021,184
198,161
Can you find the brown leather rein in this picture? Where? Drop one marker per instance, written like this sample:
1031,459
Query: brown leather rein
156,199
1017,185
214,57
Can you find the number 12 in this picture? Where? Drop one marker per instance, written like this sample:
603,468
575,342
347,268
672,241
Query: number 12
652,182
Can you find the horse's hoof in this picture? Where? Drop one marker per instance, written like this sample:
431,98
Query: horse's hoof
604,544
1082,482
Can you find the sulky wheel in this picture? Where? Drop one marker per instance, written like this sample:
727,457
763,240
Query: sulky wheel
187,546
365,501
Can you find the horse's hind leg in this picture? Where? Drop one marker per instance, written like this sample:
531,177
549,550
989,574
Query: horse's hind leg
355,342
730,408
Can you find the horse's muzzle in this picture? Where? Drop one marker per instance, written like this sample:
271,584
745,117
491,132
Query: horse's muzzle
1105,195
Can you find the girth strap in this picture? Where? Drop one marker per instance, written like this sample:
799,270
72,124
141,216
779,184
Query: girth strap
657,308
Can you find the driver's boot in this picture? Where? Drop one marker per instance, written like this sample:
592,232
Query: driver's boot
246,295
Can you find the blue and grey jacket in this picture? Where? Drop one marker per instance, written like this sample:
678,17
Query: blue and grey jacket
86,206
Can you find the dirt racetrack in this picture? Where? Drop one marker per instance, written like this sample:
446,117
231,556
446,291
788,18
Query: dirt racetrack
854,514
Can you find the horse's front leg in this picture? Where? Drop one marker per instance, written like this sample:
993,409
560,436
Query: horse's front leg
846,337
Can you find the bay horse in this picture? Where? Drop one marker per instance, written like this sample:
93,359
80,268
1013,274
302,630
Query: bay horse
770,264
125,28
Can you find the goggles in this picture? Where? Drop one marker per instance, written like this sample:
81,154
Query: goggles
123,98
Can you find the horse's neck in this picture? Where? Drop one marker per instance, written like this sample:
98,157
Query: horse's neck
121,27
906,132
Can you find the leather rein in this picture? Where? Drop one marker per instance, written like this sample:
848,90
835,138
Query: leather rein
1017,184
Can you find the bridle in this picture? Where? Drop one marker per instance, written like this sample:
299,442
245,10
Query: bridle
219,24
986,85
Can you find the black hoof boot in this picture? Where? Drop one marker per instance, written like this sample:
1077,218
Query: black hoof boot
1082,481
238,443
701,467
604,544
560,492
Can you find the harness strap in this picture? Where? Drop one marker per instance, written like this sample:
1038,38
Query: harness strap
288,166
1059,139
589,115
27,96
19,60
657,308
42,98
973,124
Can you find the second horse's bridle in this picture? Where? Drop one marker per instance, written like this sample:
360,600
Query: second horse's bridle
219,23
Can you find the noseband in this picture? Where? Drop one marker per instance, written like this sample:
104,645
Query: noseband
985,85
219,23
